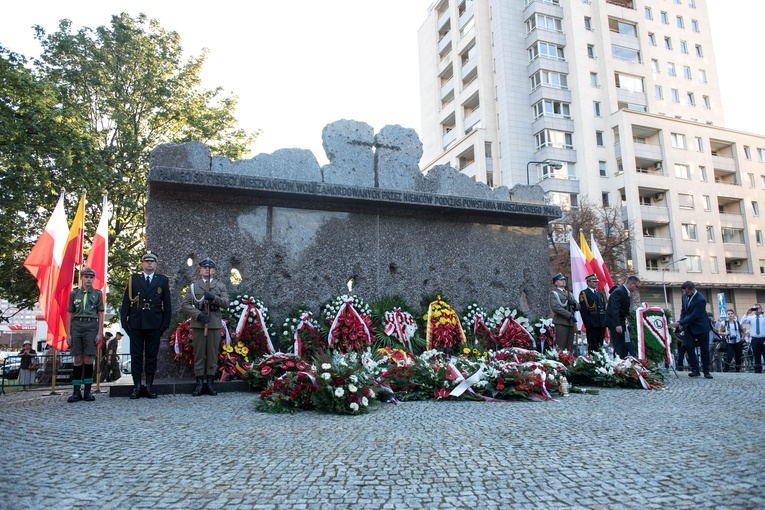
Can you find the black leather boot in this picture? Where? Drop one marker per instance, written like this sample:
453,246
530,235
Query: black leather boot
76,395
88,396
200,386
210,389
148,390
136,387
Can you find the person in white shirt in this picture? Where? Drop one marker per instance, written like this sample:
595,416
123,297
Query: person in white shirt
730,331
756,321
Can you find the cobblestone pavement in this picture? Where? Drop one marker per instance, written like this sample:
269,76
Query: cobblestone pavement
697,444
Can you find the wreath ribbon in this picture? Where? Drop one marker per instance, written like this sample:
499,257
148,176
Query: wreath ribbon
305,323
252,306
396,323
347,304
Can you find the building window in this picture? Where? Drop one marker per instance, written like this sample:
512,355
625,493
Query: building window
699,51
707,201
668,43
747,152
695,25
733,235
604,200
545,50
678,141
550,108
687,73
699,144
599,139
603,169
702,76
761,155
628,54
692,4
654,65
591,51
553,138
671,69
680,22
543,23
594,80
758,237
596,108
629,82
685,201
664,18
587,23
713,265
707,102
693,264
683,47
762,266
703,173
682,171
651,39
750,177
755,208
710,234
549,79
659,92
648,13
691,99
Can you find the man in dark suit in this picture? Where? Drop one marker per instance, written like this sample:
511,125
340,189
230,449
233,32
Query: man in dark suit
592,307
617,310
694,322
145,316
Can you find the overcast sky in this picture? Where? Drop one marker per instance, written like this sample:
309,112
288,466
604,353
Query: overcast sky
298,65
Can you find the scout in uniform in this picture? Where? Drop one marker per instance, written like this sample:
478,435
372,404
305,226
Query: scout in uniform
203,303
85,323
145,315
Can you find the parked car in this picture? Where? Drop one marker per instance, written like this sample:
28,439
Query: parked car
11,369
64,370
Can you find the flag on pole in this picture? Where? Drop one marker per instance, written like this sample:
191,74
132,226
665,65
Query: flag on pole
606,282
591,262
71,257
579,272
44,262
98,256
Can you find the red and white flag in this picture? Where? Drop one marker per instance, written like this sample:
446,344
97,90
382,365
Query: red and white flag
579,272
71,257
606,282
44,262
98,256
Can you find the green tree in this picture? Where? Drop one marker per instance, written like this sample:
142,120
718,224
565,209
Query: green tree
128,90
42,142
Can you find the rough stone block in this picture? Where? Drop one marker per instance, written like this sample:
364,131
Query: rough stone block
348,145
398,152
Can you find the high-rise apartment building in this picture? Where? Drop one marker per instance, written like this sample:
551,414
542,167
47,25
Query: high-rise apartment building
615,101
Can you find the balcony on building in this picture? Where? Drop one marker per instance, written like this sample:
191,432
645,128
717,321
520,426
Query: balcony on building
465,13
737,265
735,248
444,18
466,162
558,180
469,69
627,4
447,90
472,119
726,177
731,212
445,43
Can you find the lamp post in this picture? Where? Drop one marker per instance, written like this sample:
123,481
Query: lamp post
663,273
557,165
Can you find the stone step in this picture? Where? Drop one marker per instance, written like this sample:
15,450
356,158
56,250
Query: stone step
166,387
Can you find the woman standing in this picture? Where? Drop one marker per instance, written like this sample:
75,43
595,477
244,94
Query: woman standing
730,330
28,366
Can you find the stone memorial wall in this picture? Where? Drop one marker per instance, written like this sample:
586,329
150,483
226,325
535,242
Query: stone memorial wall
299,233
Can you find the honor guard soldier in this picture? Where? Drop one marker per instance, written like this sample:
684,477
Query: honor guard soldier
86,320
203,302
592,307
563,307
145,315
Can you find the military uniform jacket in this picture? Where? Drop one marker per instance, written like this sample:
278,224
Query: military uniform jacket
194,303
592,307
149,305
558,302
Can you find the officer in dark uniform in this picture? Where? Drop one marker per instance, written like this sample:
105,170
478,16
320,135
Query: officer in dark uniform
592,307
145,315
84,326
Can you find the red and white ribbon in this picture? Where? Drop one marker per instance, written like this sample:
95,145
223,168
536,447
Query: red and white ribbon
252,306
466,383
348,304
305,323
507,322
397,324
224,327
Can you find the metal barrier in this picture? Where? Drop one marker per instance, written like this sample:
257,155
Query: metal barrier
105,370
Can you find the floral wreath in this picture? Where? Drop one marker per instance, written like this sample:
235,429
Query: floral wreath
253,325
301,332
476,327
512,328
350,323
544,331
400,325
443,328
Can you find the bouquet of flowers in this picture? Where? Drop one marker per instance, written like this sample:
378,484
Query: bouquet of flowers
476,328
300,333
234,361
287,393
512,328
182,343
598,369
395,325
407,377
344,385
273,366
443,328
544,332
350,324
253,324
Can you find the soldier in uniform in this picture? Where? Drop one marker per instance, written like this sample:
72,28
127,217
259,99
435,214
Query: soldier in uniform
85,323
203,302
563,307
145,315
592,307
